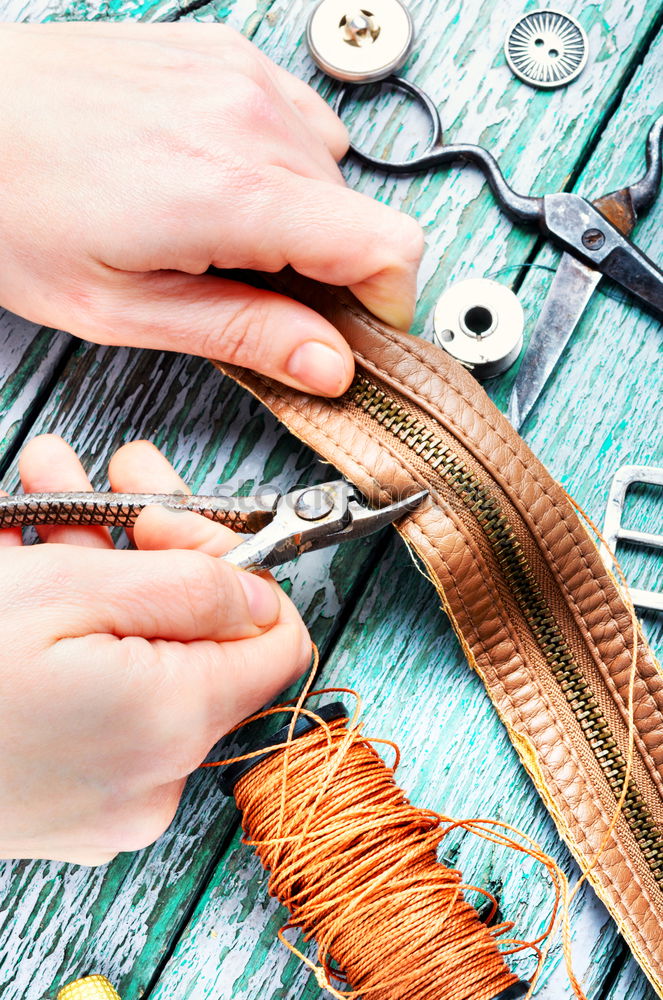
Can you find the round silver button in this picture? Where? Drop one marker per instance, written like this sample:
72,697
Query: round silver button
359,44
480,323
546,48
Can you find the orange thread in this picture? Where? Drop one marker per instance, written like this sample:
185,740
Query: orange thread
355,864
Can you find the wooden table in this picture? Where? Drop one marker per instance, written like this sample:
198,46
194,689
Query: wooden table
189,917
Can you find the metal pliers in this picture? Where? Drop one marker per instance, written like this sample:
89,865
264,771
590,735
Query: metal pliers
284,525
313,518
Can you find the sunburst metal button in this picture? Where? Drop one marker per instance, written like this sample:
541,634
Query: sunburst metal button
546,48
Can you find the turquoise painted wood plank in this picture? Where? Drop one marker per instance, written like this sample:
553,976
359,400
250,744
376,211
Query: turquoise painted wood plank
29,358
618,160
537,136
607,388
242,14
630,984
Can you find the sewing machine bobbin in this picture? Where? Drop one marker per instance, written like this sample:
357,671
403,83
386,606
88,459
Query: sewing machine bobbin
360,45
480,323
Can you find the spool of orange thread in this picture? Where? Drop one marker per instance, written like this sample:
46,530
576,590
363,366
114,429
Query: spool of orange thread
355,864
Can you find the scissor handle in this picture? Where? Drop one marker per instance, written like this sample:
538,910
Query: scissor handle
435,142
520,208
644,191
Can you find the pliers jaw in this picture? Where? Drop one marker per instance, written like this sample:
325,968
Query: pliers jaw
315,517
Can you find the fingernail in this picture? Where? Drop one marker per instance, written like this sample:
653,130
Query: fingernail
263,602
319,367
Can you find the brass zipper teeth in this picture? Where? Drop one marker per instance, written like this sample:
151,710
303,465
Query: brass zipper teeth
478,500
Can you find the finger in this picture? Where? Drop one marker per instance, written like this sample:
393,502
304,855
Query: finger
332,234
318,115
315,111
224,320
304,142
49,465
158,528
248,675
10,536
358,242
176,595
222,683
139,467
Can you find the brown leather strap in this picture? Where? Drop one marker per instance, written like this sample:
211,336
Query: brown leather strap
537,614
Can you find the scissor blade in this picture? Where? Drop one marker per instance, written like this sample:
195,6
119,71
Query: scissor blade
568,295
637,274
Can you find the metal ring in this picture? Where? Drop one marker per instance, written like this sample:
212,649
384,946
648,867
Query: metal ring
422,98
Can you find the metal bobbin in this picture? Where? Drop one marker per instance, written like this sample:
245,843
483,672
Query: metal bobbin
231,774
480,323
360,44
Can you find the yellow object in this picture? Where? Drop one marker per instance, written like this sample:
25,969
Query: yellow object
89,988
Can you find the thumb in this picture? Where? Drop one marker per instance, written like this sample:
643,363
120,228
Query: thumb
226,321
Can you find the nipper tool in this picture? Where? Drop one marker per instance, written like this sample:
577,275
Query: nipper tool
283,525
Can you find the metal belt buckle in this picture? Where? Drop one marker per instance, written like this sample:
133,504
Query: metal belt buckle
613,530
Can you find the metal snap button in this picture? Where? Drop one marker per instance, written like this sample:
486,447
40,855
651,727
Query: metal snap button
359,44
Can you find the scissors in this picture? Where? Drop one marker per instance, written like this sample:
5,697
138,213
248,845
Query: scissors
592,236
283,525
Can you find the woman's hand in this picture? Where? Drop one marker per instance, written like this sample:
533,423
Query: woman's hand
134,157
119,670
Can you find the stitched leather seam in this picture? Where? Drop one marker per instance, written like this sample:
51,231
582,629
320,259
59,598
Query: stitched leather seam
367,321
407,349
596,655
651,765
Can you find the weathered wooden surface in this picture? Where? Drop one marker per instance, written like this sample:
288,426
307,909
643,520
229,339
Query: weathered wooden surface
197,896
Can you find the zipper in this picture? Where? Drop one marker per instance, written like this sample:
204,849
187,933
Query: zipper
439,451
